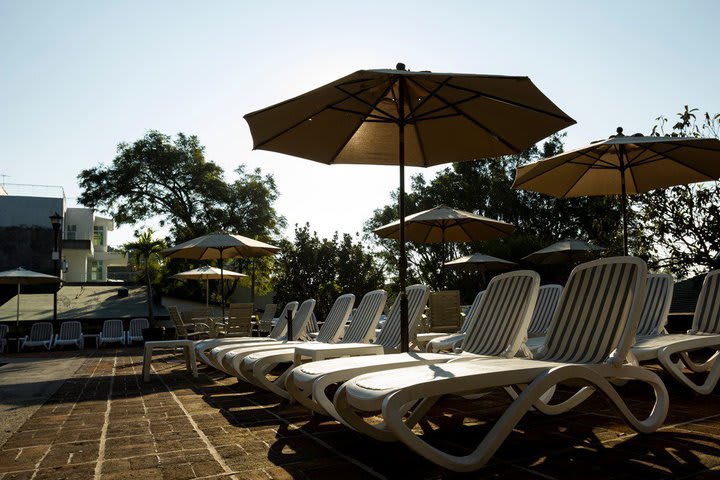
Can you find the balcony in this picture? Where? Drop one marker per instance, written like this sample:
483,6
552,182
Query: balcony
77,245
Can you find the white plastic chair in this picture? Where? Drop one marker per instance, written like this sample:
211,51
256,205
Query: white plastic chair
112,332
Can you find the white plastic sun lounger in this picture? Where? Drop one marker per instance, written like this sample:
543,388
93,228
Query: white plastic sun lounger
70,334
589,340
544,309
222,355
330,332
255,367
134,333
705,334
278,332
41,335
438,342
112,332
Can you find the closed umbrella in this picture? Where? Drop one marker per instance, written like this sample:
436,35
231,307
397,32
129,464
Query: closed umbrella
207,273
219,246
399,117
622,165
444,224
20,276
565,251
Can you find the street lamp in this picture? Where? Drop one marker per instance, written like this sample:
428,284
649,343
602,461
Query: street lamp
56,220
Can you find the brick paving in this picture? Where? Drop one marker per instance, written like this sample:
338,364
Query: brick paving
104,422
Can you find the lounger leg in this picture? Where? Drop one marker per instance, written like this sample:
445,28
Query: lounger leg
699,367
258,376
147,358
301,396
676,371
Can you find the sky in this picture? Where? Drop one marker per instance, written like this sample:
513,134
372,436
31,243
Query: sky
79,77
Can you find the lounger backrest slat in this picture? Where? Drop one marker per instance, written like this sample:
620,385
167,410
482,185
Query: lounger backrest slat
707,311
503,315
280,328
365,318
389,336
41,332
336,319
301,319
598,313
70,331
112,329
657,304
137,325
472,313
548,298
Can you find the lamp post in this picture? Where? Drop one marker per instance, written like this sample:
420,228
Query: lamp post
56,220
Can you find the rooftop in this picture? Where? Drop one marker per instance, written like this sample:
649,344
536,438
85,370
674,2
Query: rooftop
101,421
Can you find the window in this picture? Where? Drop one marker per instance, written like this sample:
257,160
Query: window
96,271
98,235
70,232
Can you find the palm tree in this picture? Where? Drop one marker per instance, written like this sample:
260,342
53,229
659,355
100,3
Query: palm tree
145,255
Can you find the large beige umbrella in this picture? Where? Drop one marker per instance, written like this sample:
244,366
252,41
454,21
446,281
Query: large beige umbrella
443,224
399,117
479,262
568,250
622,165
20,276
207,273
219,246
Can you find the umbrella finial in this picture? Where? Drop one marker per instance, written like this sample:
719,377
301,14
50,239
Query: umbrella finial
619,131
400,66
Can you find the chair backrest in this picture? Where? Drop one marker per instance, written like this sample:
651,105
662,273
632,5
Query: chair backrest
70,331
3,331
444,311
177,321
365,318
472,312
41,332
239,322
137,325
200,314
707,311
658,298
547,300
112,328
334,325
598,313
265,322
503,315
389,336
280,328
301,319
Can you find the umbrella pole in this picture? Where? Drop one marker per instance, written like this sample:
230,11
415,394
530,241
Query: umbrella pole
624,215
207,292
222,285
404,322
17,313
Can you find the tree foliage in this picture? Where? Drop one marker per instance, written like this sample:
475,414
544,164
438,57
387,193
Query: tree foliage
323,269
681,224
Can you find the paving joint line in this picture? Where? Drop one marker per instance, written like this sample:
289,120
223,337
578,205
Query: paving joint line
106,423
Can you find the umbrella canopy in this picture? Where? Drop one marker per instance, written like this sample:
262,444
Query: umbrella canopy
444,224
219,246
479,262
20,276
621,165
564,251
207,273
398,117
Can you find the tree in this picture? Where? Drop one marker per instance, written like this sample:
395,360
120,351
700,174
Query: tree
145,259
681,223
323,269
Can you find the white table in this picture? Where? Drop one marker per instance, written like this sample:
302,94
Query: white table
188,353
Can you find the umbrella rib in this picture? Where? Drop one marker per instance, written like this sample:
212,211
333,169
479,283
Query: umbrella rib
577,180
373,106
696,170
430,94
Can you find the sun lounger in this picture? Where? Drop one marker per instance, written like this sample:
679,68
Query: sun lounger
239,321
704,334
445,341
112,332
189,330
278,332
41,335
256,366
588,341
264,325
70,334
223,355
134,333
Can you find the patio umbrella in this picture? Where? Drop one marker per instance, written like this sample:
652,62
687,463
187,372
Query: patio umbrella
443,224
399,117
565,251
207,273
479,262
20,276
622,165
219,246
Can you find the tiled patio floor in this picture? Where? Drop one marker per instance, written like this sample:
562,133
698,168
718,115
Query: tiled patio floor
104,422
